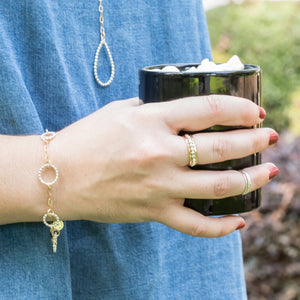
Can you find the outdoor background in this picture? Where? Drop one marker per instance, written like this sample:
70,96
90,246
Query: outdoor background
267,33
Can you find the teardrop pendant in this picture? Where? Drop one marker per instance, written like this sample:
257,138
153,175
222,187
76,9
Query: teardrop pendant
112,65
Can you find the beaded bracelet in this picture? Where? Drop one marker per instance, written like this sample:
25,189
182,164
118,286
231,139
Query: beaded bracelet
56,224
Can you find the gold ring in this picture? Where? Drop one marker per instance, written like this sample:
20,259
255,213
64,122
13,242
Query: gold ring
192,150
247,180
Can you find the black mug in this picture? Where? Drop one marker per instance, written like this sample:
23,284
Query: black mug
158,86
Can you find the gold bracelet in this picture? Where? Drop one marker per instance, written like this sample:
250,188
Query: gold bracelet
55,224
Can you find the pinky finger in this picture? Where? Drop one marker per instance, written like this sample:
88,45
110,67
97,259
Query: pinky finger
190,222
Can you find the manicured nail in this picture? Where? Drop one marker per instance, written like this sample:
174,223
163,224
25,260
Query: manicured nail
273,138
241,225
273,172
262,113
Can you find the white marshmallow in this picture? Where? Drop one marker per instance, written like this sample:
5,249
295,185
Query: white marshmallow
233,64
170,69
191,70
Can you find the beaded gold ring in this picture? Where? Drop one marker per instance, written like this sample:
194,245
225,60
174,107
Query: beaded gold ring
192,150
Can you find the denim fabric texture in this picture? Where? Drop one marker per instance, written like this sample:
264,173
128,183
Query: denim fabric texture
47,51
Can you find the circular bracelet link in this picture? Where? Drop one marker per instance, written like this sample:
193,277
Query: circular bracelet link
51,213
49,165
48,136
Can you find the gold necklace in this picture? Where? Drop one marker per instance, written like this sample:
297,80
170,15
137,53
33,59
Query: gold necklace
101,44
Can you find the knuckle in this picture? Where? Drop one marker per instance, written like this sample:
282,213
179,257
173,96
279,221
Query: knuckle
134,114
257,144
150,152
257,178
114,104
221,186
198,230
221,149
222,230
214,104
249,113
111,104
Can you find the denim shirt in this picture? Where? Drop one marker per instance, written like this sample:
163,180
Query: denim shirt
47,51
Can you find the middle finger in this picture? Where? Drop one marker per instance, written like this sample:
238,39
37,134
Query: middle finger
213,147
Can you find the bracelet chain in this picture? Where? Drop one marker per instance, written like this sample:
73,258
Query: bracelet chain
55,224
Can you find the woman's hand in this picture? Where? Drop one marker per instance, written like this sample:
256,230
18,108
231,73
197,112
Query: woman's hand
126,162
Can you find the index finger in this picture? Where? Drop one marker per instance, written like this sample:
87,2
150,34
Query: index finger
199,113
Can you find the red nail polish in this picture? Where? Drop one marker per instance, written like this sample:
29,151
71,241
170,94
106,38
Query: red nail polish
273,172
273,138
262,113
241,225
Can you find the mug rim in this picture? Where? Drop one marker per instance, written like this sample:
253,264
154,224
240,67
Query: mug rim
249,69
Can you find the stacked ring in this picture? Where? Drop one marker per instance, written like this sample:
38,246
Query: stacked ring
247,180
192,150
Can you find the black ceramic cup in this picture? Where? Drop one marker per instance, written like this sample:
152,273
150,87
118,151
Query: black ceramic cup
157,86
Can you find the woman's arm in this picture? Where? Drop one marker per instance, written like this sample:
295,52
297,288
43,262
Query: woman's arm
22,198
126,163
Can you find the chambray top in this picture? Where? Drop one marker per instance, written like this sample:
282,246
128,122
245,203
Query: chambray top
47,50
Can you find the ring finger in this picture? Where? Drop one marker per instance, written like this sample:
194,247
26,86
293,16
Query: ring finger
221,184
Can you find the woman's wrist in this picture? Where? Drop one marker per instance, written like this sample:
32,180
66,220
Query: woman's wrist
21,196
65,203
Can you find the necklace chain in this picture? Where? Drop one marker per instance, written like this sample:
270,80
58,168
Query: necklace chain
101,20
101,44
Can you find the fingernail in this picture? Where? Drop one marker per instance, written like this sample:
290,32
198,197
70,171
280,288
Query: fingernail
273,172
273,138
241,225
262,113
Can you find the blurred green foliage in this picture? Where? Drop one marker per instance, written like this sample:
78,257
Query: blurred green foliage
265,34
